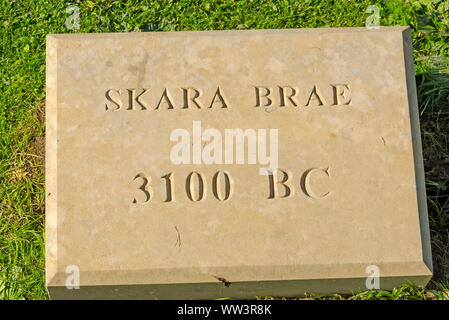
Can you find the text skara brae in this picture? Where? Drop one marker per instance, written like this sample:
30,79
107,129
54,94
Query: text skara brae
264,96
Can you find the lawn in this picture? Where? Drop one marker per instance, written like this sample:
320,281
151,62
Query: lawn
24,25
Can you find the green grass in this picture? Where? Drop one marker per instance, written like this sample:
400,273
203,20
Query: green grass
24,25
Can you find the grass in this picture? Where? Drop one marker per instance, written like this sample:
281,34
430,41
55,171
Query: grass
24,25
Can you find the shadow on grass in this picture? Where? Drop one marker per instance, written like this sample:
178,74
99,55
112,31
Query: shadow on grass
433,98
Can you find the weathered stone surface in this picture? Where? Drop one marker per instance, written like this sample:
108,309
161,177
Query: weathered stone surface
343,102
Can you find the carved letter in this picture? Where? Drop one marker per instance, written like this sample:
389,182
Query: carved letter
187,98
318,96
165,96
133,99
305,183
340,94
118,105
169,187
191,194
220,97
216,186
259,96
146,189
282,96
272,177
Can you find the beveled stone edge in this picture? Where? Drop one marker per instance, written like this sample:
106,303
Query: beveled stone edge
236,290
51,244
417,148
248,32
243,273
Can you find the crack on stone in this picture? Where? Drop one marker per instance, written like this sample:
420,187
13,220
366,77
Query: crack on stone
225,282
178,239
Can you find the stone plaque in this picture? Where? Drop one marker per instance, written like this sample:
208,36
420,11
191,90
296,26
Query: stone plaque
233,164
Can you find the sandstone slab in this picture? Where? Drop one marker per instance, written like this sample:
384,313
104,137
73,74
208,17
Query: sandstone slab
335,189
